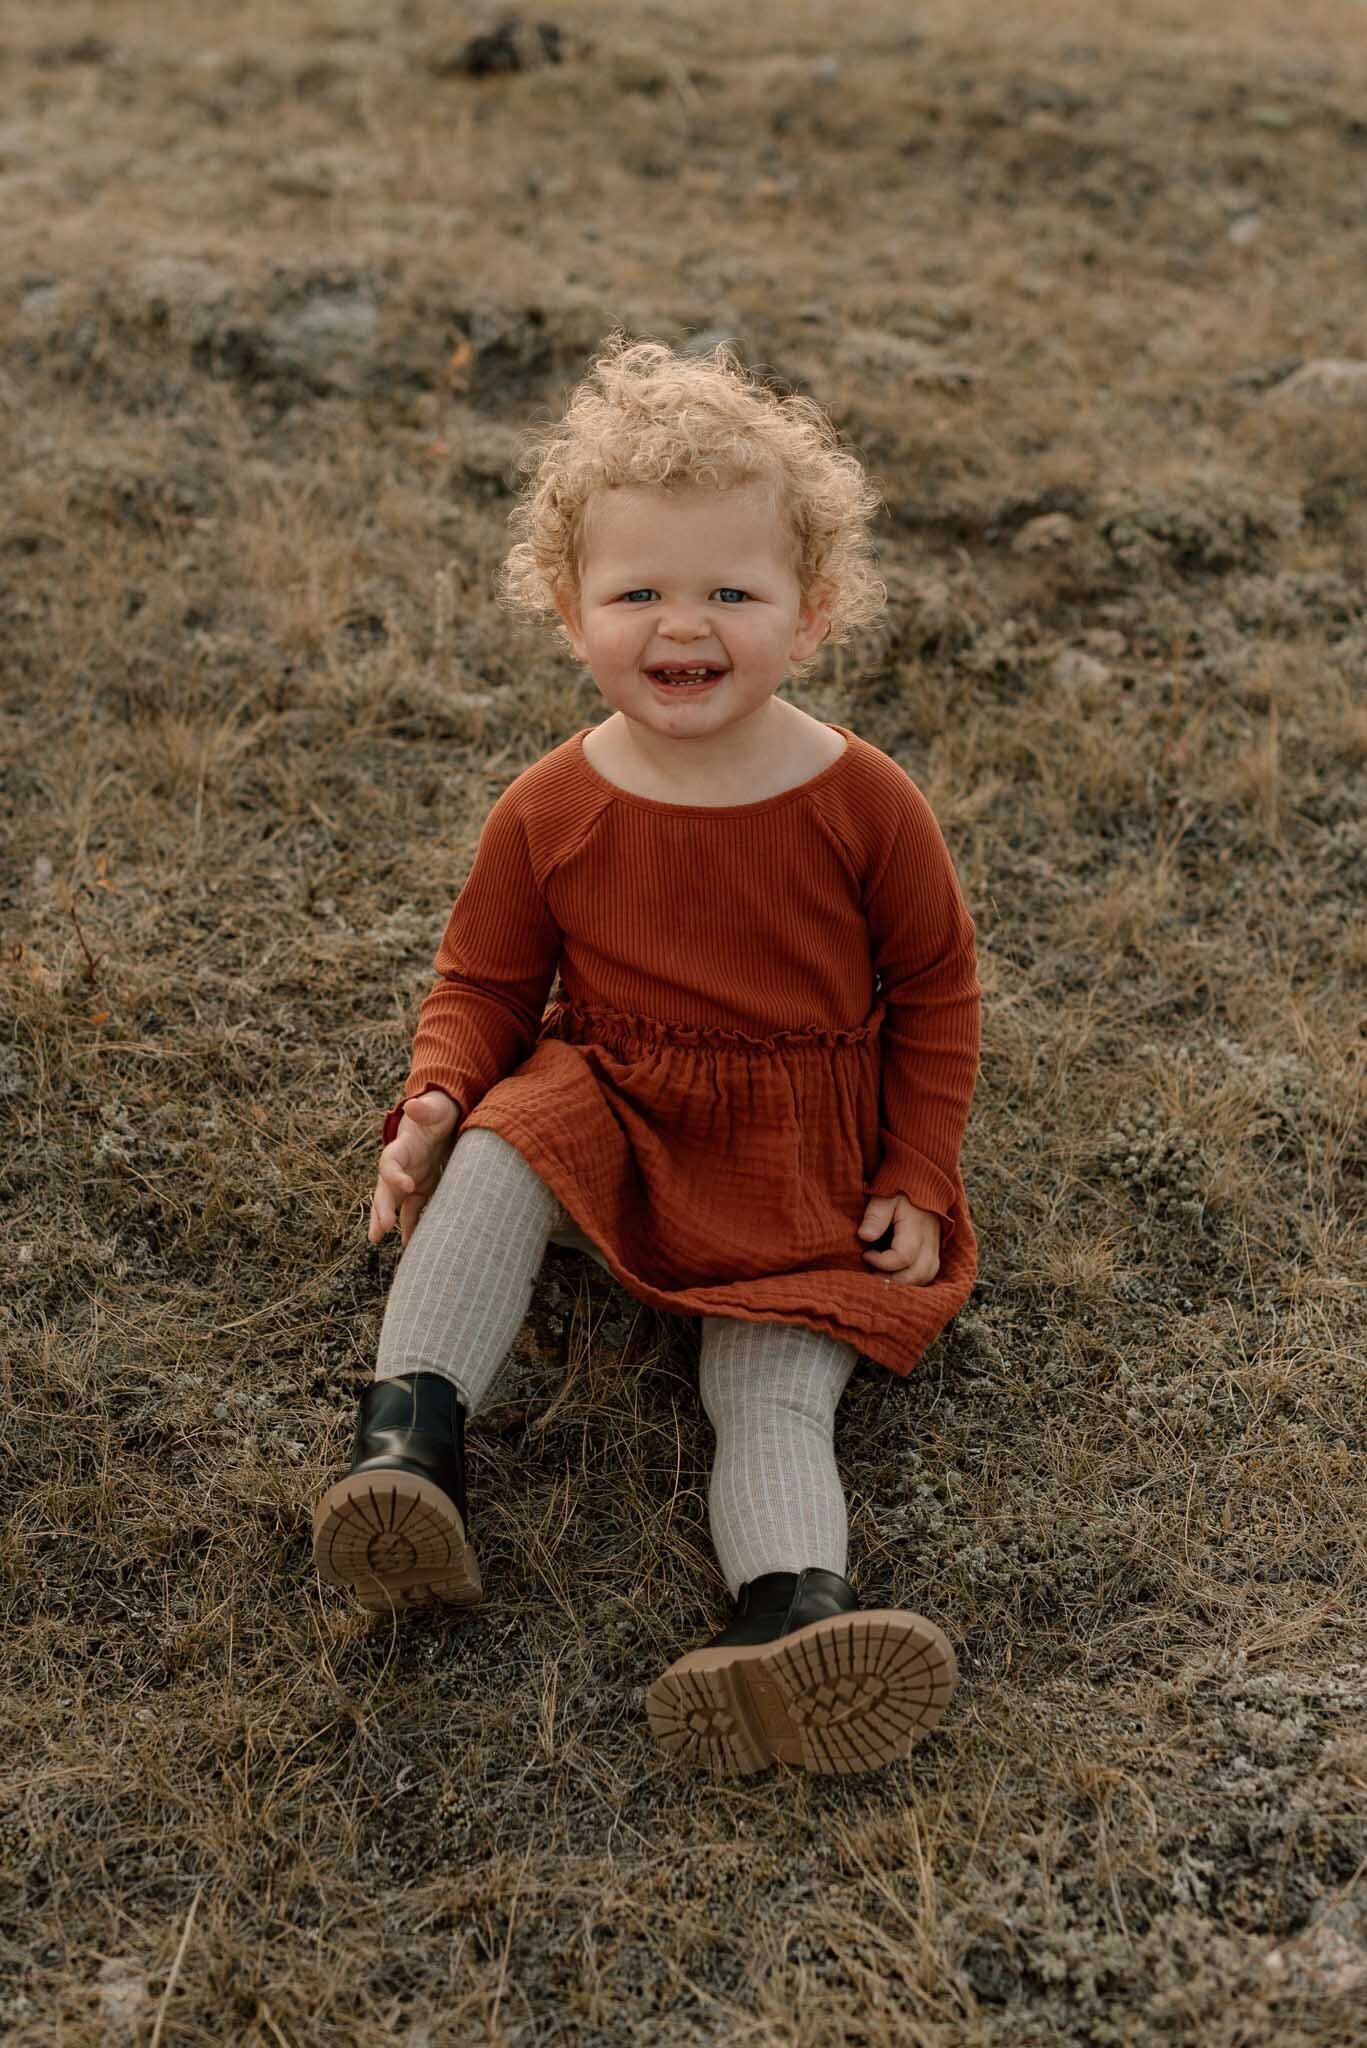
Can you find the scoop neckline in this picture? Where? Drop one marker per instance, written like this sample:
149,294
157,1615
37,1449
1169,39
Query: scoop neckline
764,803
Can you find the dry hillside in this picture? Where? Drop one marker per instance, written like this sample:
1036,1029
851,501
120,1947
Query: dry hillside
280,289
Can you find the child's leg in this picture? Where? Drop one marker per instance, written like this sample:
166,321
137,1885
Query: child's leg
396,1526
464,1283
775,1501
803,1675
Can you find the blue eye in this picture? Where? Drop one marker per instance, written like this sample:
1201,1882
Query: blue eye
725,590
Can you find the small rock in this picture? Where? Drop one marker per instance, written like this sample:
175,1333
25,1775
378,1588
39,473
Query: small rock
42,871
826,70
326,331
1074,670
1328,380
1052,530
123,1992
1244,228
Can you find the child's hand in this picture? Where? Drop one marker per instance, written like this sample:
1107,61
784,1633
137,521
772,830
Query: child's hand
411,1163
913,1258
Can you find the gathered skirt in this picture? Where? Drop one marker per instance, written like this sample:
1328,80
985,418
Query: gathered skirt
725,1175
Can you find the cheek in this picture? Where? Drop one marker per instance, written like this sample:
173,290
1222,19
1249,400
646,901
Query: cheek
618,637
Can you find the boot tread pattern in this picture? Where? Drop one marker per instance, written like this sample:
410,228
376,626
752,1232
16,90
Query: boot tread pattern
396,1540
847,1694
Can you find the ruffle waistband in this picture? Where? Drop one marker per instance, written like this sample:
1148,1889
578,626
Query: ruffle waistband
588,1023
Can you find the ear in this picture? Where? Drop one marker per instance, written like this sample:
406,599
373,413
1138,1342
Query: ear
813,622
567,604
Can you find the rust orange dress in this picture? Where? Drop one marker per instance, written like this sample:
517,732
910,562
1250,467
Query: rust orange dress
764,1014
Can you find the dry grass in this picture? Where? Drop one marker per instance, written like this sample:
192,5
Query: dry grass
279,293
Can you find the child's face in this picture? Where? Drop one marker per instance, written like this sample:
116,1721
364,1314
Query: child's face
683,578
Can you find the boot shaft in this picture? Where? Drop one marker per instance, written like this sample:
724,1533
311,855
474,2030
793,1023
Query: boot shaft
415,1423
776,1603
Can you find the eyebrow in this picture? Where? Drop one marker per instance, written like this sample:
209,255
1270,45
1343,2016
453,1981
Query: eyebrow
720,579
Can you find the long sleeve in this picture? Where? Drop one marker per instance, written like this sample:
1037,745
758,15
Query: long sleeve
923,948
495,964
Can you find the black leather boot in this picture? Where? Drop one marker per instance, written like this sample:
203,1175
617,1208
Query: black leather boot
396,1527
804,1675
777,1603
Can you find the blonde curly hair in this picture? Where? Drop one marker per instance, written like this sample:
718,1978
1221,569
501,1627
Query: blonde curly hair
646,414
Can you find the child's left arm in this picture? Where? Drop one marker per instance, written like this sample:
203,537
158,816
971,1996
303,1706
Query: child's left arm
923,944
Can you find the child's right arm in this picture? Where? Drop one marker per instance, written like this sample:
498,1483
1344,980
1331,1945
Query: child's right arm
495,967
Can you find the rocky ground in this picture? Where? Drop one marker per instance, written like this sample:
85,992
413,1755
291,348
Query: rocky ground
280,292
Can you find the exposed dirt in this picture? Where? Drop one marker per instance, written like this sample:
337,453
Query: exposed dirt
281,288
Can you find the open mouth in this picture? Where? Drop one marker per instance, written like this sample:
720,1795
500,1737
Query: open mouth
681,681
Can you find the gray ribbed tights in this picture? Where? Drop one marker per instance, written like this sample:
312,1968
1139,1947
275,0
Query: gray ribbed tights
463,1288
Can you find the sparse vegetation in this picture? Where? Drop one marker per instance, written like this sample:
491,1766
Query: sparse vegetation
281,289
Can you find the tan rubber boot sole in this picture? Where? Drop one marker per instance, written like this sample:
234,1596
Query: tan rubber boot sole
849,1693
397,1540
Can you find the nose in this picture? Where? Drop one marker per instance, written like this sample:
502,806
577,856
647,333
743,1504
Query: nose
680,629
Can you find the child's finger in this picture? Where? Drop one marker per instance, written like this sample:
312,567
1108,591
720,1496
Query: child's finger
910,1279
397,1177
915,1273
901,1246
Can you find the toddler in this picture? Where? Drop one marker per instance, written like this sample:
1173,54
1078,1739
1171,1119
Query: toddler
746,1101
